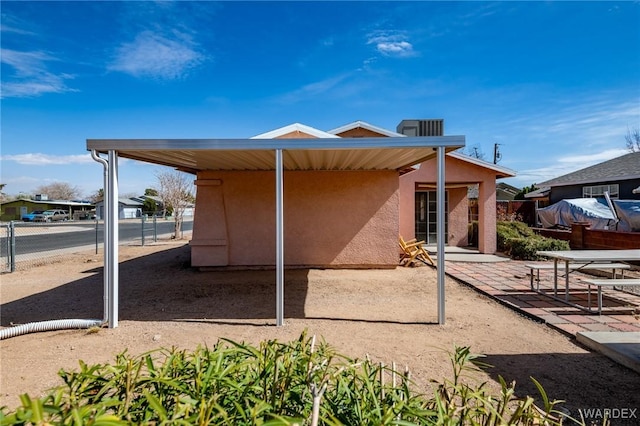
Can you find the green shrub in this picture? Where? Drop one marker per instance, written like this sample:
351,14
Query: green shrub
273,384
518,241
508,231
526,248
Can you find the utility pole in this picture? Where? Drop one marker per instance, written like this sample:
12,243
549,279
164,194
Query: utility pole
496,153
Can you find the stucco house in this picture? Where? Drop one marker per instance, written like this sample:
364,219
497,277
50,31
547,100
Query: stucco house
333,201
418,201
345,207
417,194
340,210
338,219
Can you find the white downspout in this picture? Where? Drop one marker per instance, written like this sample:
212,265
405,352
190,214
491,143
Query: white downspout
106,242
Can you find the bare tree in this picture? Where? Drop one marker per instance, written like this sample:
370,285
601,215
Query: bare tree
474,151
59,191
176,193
633,140
97,196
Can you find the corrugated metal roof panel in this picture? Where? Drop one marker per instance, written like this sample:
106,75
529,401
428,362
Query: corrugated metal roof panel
193,155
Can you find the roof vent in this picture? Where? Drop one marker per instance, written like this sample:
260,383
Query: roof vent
430,127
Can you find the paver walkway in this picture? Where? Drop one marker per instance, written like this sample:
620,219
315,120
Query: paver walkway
508,283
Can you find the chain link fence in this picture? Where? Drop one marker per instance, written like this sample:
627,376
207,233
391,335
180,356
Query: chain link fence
24,245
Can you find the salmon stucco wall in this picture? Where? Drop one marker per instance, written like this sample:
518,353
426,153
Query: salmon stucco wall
458,174
331,219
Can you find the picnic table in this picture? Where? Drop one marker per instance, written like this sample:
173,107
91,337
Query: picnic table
586,258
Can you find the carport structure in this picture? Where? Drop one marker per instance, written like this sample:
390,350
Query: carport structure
273,155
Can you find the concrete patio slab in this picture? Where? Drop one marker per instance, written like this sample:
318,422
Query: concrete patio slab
622,347
615,333
460,254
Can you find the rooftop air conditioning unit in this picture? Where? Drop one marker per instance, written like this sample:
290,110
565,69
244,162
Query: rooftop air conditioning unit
429,127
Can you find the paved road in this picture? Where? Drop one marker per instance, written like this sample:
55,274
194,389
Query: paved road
34,238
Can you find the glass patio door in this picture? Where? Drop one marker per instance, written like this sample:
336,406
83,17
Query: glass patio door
426,216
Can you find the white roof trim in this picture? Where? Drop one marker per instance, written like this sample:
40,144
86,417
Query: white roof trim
365,125
293,128
502,170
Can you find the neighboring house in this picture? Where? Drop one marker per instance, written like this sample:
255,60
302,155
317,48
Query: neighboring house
15,209
188,211
155,198
127,209
506,192
619,177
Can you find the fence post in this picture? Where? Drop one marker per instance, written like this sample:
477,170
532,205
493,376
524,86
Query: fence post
96,234
12,246
6,248
578,229
142,217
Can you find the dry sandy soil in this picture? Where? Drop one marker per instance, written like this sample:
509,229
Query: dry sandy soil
389,314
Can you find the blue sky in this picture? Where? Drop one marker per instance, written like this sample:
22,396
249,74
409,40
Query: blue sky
556,84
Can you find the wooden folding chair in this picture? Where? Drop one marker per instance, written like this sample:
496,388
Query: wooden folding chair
413,251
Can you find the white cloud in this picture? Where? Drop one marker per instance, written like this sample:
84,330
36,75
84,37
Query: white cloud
562,138
590,159
316,88
31,76
154,55
13,29
38,159
391,44
565,165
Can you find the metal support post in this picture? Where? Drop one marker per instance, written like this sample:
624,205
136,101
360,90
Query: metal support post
440,213
279,241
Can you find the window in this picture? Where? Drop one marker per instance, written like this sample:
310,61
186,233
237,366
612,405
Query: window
599,190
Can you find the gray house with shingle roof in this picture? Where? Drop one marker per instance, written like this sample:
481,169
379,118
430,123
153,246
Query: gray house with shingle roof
619,177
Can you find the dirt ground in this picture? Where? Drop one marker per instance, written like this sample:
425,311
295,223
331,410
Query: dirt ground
391,315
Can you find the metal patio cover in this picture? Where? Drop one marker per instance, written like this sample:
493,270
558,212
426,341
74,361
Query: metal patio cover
193,155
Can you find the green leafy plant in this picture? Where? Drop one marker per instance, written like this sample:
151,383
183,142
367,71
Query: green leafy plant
297,383
518,241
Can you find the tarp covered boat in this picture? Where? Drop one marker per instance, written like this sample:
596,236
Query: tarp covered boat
593,210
